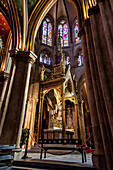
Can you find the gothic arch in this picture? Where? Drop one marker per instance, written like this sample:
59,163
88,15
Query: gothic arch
36,19
9,10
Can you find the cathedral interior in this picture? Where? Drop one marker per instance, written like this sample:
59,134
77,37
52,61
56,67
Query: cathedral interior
56,73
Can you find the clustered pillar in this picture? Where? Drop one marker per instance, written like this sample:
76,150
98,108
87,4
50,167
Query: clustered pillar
32,101
40,114
97,43
63,109
12,125
75,122
81,121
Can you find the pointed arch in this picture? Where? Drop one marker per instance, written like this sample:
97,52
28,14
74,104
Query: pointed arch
9,10
38,14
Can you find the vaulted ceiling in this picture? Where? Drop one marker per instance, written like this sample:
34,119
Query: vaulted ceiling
62,9
4,28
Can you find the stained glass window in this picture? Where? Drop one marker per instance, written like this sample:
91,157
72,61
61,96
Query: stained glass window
63,29
44,32
60,30
49,39
65,35
79,60
41,58
47,32
76,31
49,61
45,59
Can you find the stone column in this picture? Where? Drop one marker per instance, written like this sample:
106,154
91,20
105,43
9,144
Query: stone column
28,114
32,101
102,115
7,94
106,120
111,3
40,114
98,154
63,109
88,125
101,70
30,119
109,13
3,84
29,103
11,132
32,122
106,29
75,121
50,119
81,122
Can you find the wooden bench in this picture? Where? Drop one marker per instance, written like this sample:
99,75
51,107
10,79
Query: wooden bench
6,156
62,144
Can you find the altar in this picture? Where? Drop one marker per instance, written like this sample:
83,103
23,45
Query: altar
57,117
56,134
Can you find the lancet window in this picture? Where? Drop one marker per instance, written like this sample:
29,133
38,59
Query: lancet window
44,58
76,31
80,59
63,32
47,32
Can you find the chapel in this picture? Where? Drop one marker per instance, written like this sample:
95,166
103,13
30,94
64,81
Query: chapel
56,74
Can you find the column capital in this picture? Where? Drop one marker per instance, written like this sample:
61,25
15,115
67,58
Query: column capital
93,10
3,75
23,56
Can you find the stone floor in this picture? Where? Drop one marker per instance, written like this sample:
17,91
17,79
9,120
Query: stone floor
74,160
75,157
